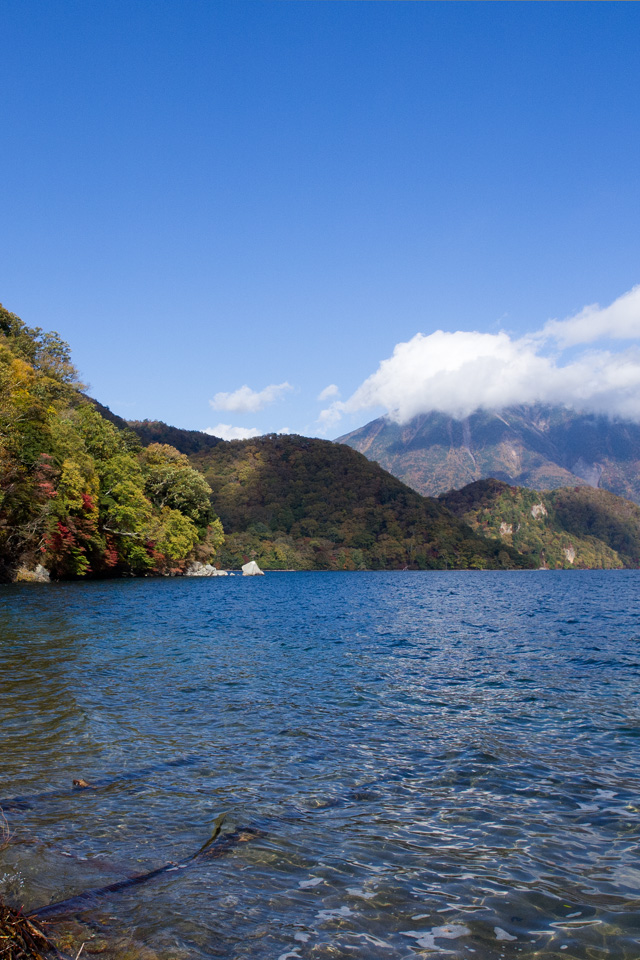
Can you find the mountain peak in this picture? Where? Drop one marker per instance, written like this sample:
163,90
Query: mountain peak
538,446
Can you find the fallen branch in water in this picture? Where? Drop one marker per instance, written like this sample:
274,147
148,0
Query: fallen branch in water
82,900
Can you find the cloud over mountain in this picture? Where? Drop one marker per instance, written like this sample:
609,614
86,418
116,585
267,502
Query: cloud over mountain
457,373
227,432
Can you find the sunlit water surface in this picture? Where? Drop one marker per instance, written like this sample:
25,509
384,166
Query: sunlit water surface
434,764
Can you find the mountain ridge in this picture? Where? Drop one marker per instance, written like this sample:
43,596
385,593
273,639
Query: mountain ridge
304,503
538,446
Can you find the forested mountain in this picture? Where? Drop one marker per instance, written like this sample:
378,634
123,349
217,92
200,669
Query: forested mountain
541,447
77,495
299,503
290,501
577,527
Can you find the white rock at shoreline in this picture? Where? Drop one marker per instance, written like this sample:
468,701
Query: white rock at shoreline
204,570
39,575
252,569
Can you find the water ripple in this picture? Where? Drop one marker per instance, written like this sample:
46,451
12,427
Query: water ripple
434,764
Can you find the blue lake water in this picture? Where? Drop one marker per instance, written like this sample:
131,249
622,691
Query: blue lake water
412,764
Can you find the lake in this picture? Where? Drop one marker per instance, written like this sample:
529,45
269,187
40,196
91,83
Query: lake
411,764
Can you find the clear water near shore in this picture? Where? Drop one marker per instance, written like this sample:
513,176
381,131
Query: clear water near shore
436,764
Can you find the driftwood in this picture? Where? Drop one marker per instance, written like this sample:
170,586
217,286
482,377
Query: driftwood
82,901
23,938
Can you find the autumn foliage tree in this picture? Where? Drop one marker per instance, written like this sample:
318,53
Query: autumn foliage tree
76,493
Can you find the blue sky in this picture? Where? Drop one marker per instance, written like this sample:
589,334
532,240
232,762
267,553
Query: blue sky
202,197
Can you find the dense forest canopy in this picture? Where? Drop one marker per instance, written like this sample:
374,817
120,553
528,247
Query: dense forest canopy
302,503
78,495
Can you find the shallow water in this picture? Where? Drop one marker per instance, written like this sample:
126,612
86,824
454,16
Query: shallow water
434,764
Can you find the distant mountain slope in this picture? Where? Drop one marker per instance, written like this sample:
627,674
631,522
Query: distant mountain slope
296,502
540,447
571,527
155,431
186,441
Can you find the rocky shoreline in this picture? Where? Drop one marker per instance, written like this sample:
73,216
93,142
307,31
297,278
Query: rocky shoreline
40,574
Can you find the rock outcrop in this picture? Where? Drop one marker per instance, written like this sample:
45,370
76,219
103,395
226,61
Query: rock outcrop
204,570
39,574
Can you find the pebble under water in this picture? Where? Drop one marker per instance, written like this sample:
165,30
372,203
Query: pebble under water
411,764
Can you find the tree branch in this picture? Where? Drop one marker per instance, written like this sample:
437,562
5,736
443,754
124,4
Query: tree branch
122,533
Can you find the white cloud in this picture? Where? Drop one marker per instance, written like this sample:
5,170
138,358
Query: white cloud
246,400
227,432
457,373
619,321
331,415
328,392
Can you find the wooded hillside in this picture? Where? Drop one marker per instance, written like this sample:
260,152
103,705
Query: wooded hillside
302,503
77,495
577,527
